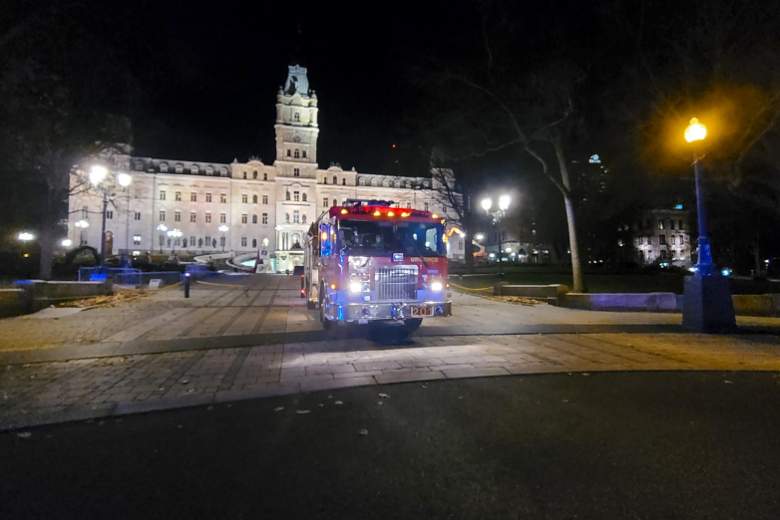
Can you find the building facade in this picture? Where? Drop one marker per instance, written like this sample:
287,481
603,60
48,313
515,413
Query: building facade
241,207
663,236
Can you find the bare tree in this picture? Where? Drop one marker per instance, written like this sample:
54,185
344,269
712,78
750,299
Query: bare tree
534,114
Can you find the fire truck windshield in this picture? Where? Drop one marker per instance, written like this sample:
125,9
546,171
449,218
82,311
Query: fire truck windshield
380,238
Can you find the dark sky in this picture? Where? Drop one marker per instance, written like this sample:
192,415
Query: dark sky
209,75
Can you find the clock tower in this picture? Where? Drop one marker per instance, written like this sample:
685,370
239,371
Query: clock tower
296,126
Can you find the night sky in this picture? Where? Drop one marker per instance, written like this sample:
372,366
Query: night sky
208,75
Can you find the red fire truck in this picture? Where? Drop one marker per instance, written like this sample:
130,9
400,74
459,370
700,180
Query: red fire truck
368,261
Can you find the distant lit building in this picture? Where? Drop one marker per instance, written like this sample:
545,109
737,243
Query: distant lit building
663,236
266,208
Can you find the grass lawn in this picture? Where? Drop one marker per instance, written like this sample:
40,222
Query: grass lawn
602,282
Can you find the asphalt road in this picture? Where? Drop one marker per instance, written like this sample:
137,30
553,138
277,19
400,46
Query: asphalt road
617,445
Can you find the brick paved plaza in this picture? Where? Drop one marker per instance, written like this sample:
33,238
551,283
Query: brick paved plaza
252,337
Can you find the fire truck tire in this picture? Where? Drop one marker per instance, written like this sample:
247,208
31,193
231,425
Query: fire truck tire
326,324
413,324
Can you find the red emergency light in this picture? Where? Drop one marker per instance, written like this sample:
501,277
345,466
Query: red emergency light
365,210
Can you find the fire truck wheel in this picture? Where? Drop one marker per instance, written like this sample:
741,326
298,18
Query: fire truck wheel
412,325
326,324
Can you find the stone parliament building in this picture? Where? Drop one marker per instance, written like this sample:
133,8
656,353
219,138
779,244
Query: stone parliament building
241,207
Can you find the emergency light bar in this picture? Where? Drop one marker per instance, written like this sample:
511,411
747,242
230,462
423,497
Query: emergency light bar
381,210
369,202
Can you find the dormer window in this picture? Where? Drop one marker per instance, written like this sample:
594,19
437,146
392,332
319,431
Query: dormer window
209,170
179,168
194,168
163,167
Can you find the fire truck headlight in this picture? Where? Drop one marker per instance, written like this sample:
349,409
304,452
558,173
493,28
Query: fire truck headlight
355,286
436,286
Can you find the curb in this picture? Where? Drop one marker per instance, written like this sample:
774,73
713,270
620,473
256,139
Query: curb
110,410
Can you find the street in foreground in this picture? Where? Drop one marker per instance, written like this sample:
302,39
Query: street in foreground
583,445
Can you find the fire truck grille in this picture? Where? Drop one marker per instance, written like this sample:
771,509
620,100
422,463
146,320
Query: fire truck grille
396,283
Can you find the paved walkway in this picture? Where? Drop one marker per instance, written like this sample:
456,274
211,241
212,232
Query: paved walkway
267,310
52,392
255,337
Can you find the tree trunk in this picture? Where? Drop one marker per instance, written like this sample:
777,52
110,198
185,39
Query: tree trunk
470,226
46,238
757,255
576,265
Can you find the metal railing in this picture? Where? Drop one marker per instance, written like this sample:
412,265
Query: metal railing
396,283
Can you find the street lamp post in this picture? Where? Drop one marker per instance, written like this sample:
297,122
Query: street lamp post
174,234
497,215
125,180
162,228
707,305
223,229
97,177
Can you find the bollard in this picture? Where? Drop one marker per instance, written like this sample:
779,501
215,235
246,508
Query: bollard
186,285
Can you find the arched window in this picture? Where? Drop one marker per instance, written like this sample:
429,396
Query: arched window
254,219
254,174
265,176
335,180
343,181
297,153
245,175
303,219
303,153
254,199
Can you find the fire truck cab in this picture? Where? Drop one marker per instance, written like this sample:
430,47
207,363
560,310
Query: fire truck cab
367,261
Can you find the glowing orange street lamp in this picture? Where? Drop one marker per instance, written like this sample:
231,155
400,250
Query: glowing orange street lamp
707,305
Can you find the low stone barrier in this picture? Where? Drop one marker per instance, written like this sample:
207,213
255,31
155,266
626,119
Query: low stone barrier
744,304
41,293
13,302
542,292
756,304
650,302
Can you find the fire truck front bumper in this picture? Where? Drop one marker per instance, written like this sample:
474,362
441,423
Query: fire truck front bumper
365,312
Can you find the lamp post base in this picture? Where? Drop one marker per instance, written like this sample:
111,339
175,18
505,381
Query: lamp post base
707,305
